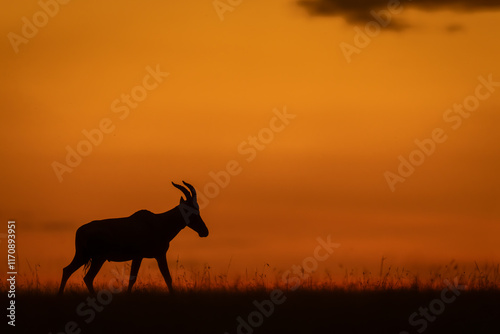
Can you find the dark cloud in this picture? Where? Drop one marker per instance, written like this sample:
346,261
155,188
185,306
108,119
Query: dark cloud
454,28
358,11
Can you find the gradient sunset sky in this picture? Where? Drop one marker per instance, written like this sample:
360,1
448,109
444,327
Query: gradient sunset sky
230,70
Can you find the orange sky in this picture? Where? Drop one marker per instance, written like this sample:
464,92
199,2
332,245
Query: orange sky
323,174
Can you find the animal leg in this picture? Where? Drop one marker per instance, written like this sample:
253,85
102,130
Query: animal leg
76,263
93,270
134,269
162,264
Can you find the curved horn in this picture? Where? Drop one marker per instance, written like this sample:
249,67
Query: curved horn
193,191
184,190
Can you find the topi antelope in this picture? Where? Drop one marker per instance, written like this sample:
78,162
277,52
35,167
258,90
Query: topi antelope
142,235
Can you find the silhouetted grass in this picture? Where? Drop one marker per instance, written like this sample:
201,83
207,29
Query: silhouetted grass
478,277
208,302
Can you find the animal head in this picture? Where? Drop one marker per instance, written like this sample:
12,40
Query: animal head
190,209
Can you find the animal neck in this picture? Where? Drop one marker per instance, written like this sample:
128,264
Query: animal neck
173,222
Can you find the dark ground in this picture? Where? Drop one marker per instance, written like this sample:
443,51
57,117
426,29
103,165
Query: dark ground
303,311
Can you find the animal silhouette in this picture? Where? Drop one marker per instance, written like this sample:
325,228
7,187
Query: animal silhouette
142,235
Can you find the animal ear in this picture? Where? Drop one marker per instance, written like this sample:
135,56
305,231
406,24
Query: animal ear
182,200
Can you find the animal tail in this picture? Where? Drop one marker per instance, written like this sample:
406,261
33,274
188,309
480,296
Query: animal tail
81,249
87,265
